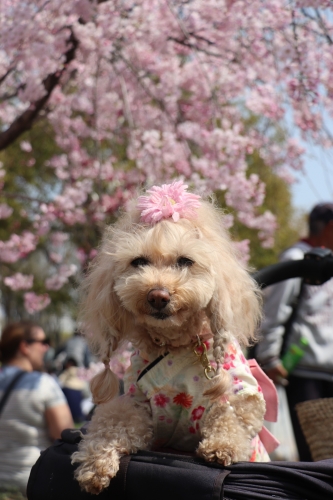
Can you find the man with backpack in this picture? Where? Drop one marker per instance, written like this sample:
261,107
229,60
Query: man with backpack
297,313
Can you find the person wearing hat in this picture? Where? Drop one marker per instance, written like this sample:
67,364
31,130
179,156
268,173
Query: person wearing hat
312,320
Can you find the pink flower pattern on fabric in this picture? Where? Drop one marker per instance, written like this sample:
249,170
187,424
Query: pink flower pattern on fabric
197,413
168,201
161,400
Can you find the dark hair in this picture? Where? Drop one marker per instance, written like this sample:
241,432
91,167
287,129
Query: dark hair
12,335
319,217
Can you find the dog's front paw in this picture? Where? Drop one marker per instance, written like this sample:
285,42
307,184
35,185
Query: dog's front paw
94,474
225,454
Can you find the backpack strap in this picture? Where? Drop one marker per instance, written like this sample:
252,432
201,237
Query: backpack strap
10,387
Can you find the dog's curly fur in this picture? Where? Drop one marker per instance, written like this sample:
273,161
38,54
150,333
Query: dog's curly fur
195,262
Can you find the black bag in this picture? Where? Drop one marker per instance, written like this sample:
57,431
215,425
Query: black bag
165,476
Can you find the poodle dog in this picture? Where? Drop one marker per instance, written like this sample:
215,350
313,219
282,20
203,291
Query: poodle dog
167,279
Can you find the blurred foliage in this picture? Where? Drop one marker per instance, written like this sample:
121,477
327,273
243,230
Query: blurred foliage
11,494
29,183
278,200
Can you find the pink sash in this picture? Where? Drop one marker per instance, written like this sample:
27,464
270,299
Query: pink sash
271,398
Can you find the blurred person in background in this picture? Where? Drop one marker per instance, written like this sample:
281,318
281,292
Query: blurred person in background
75,388
295,311
36,411
76,348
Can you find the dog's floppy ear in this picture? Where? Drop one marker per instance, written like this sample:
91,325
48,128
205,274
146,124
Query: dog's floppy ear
103,319
234,310
235,306
236,303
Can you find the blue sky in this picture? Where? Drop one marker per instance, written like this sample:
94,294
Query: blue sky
316,183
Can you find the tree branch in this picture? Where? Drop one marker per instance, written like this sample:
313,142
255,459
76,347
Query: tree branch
26,119
3,77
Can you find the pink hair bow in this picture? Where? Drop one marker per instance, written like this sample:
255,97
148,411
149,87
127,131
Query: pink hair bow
168,201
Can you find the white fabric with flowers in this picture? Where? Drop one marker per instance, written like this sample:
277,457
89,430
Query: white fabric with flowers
174,388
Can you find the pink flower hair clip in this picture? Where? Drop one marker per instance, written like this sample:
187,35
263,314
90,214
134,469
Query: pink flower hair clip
166,201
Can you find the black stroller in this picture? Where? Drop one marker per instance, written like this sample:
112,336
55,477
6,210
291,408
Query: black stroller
166,476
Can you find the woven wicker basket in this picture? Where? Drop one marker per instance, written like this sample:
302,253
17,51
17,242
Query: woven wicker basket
316,419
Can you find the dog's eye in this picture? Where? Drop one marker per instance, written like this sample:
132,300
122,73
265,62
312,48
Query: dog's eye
184,262
140,261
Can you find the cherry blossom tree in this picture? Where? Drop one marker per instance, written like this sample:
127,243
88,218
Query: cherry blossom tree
139,92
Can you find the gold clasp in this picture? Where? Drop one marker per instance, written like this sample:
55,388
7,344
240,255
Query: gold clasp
200,350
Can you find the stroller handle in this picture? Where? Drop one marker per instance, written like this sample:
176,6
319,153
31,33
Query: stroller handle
315,268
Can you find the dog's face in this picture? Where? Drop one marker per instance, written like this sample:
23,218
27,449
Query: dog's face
165,283
164,276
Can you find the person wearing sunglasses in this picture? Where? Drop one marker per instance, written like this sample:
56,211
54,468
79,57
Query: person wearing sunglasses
35,411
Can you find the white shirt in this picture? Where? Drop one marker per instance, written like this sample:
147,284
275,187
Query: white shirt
23,432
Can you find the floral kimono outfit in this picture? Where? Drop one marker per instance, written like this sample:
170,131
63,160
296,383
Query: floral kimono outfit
173,386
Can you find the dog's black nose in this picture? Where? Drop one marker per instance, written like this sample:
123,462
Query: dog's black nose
158,298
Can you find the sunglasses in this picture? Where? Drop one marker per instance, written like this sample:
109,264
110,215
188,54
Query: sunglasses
33,341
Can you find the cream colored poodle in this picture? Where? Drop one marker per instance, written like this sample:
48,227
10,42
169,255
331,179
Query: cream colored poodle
167,279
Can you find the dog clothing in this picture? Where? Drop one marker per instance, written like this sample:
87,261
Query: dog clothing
173,386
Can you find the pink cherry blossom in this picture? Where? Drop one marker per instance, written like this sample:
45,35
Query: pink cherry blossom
5,211
58,238
169,200
58,280
17,247
55,282
26,146
19,281
34,303
56,257
243,250
67,270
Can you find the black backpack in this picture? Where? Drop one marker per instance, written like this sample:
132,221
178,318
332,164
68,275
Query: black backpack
164,476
